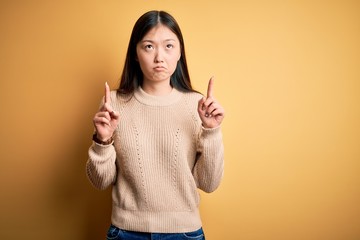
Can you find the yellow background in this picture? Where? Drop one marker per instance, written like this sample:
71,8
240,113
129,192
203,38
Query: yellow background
287,73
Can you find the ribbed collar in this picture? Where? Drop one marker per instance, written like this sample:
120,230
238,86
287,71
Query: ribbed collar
151,100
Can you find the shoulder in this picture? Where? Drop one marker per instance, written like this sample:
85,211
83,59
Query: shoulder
116,97
120,101
190,102
192,96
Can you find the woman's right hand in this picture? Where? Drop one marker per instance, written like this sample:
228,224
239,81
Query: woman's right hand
106,119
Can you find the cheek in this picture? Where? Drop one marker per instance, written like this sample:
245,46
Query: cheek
141,56
172,66
143,61
175,59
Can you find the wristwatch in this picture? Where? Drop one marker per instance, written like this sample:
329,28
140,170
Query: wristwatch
107,142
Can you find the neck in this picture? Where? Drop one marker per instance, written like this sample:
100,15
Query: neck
157,89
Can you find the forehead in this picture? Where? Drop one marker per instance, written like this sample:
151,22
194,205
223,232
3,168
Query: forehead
160,33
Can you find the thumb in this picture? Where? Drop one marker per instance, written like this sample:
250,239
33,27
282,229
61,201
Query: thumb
201,102
114,115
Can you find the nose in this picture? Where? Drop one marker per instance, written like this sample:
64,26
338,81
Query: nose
159,56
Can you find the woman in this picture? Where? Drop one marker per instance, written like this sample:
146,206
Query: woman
156,140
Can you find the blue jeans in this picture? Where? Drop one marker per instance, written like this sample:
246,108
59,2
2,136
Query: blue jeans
116,233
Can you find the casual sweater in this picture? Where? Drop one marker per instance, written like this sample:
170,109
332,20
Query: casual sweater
160,156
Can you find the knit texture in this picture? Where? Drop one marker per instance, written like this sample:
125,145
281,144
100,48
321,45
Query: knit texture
160,156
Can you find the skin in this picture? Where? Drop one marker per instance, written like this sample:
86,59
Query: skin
158,53
210,111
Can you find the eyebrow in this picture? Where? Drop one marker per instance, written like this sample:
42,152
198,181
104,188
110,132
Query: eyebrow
151,41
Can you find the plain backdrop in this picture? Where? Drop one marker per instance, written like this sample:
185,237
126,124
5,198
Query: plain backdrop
286,72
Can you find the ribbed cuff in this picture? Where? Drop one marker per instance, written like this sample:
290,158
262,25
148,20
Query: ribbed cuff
211,132
102,149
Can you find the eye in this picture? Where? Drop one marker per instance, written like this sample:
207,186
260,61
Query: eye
169,46
148,47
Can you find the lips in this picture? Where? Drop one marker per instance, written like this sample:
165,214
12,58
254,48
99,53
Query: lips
159,68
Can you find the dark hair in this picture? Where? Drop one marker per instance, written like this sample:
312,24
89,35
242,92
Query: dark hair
132,76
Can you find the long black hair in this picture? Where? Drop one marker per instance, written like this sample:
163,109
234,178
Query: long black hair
132,76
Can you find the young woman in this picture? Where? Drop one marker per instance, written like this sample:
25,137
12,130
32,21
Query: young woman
157,140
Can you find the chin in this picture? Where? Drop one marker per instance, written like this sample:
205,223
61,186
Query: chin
161,78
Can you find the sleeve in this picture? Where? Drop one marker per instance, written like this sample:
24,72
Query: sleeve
209,166
101,165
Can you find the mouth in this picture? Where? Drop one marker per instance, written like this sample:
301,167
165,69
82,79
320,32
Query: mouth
159,68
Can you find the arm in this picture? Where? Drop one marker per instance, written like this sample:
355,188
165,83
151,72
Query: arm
209,167
101,167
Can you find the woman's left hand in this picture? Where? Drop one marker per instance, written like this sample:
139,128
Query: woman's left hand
210,111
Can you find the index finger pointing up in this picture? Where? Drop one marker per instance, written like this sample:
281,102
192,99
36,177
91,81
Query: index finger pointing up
210,87
107,93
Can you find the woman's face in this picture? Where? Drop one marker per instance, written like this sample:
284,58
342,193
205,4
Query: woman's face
158,53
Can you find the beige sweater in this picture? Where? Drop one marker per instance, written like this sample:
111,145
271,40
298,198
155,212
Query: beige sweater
161,154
